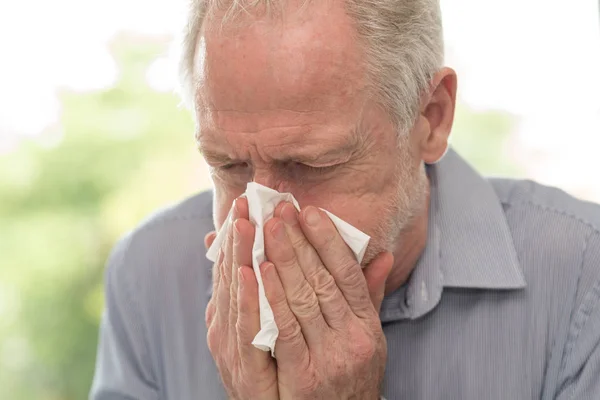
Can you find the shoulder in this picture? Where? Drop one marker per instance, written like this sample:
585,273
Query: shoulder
165,246
197,207
157,284
170,227
557,236
551,202
548,219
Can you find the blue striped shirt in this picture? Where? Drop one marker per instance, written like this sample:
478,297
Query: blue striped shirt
504,303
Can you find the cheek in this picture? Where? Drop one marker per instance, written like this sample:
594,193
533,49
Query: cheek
222,201
363,212
354,195
349,185
366,206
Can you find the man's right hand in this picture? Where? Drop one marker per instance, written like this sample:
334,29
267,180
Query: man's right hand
232,315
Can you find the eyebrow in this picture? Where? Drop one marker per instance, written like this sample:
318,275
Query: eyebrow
337,154
342,153
214,156
306,155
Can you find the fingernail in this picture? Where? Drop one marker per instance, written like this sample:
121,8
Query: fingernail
288,215
312,216
237,236
278,231
267,269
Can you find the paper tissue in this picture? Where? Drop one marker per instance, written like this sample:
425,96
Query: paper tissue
262,202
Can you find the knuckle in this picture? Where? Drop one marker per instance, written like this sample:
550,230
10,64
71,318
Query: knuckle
324,283
364,348
304,302
340,314
317,277
329,293
287,257
350,270
332,296
309,384
298,241
278,300
289,330
353,278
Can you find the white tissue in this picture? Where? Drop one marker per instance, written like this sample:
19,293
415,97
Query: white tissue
262,202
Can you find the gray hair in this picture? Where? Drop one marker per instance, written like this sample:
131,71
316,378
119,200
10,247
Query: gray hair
402,40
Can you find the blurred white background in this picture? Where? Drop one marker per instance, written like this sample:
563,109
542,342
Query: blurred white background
538,60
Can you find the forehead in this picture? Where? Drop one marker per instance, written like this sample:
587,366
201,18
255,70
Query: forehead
300,59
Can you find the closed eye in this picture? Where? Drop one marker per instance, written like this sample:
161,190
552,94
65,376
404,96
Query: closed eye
309,169
228,167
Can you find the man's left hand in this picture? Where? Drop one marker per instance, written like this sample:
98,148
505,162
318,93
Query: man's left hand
331,344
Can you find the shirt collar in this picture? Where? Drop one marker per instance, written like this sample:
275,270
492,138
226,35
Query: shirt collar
469,243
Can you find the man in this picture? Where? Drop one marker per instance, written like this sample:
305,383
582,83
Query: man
472,289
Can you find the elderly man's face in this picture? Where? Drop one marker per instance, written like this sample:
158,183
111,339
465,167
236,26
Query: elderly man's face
283,103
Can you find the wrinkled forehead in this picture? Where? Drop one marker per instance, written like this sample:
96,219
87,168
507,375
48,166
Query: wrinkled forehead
302,59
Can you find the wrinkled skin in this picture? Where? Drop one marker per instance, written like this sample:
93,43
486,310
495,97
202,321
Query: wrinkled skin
326,311
232,316
283,102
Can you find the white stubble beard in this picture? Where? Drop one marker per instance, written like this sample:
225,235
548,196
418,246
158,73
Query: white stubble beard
408,203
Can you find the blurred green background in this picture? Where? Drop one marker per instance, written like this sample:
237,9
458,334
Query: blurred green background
116,156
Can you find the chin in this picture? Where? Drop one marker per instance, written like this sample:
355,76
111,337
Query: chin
375,248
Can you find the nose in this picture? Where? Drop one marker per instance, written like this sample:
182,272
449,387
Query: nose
269,179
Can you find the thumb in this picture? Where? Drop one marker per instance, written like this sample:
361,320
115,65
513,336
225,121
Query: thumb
376,274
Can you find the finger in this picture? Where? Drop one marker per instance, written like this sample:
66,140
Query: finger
228,247
243,238
209,239
241,204
337,258
376,274
248,321
211,307
209,314
291,349
334,306
216,271
300,296
280,207
224,285
239,210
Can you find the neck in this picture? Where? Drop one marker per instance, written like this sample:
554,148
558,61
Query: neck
412,241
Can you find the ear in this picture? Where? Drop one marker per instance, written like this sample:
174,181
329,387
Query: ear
437,116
